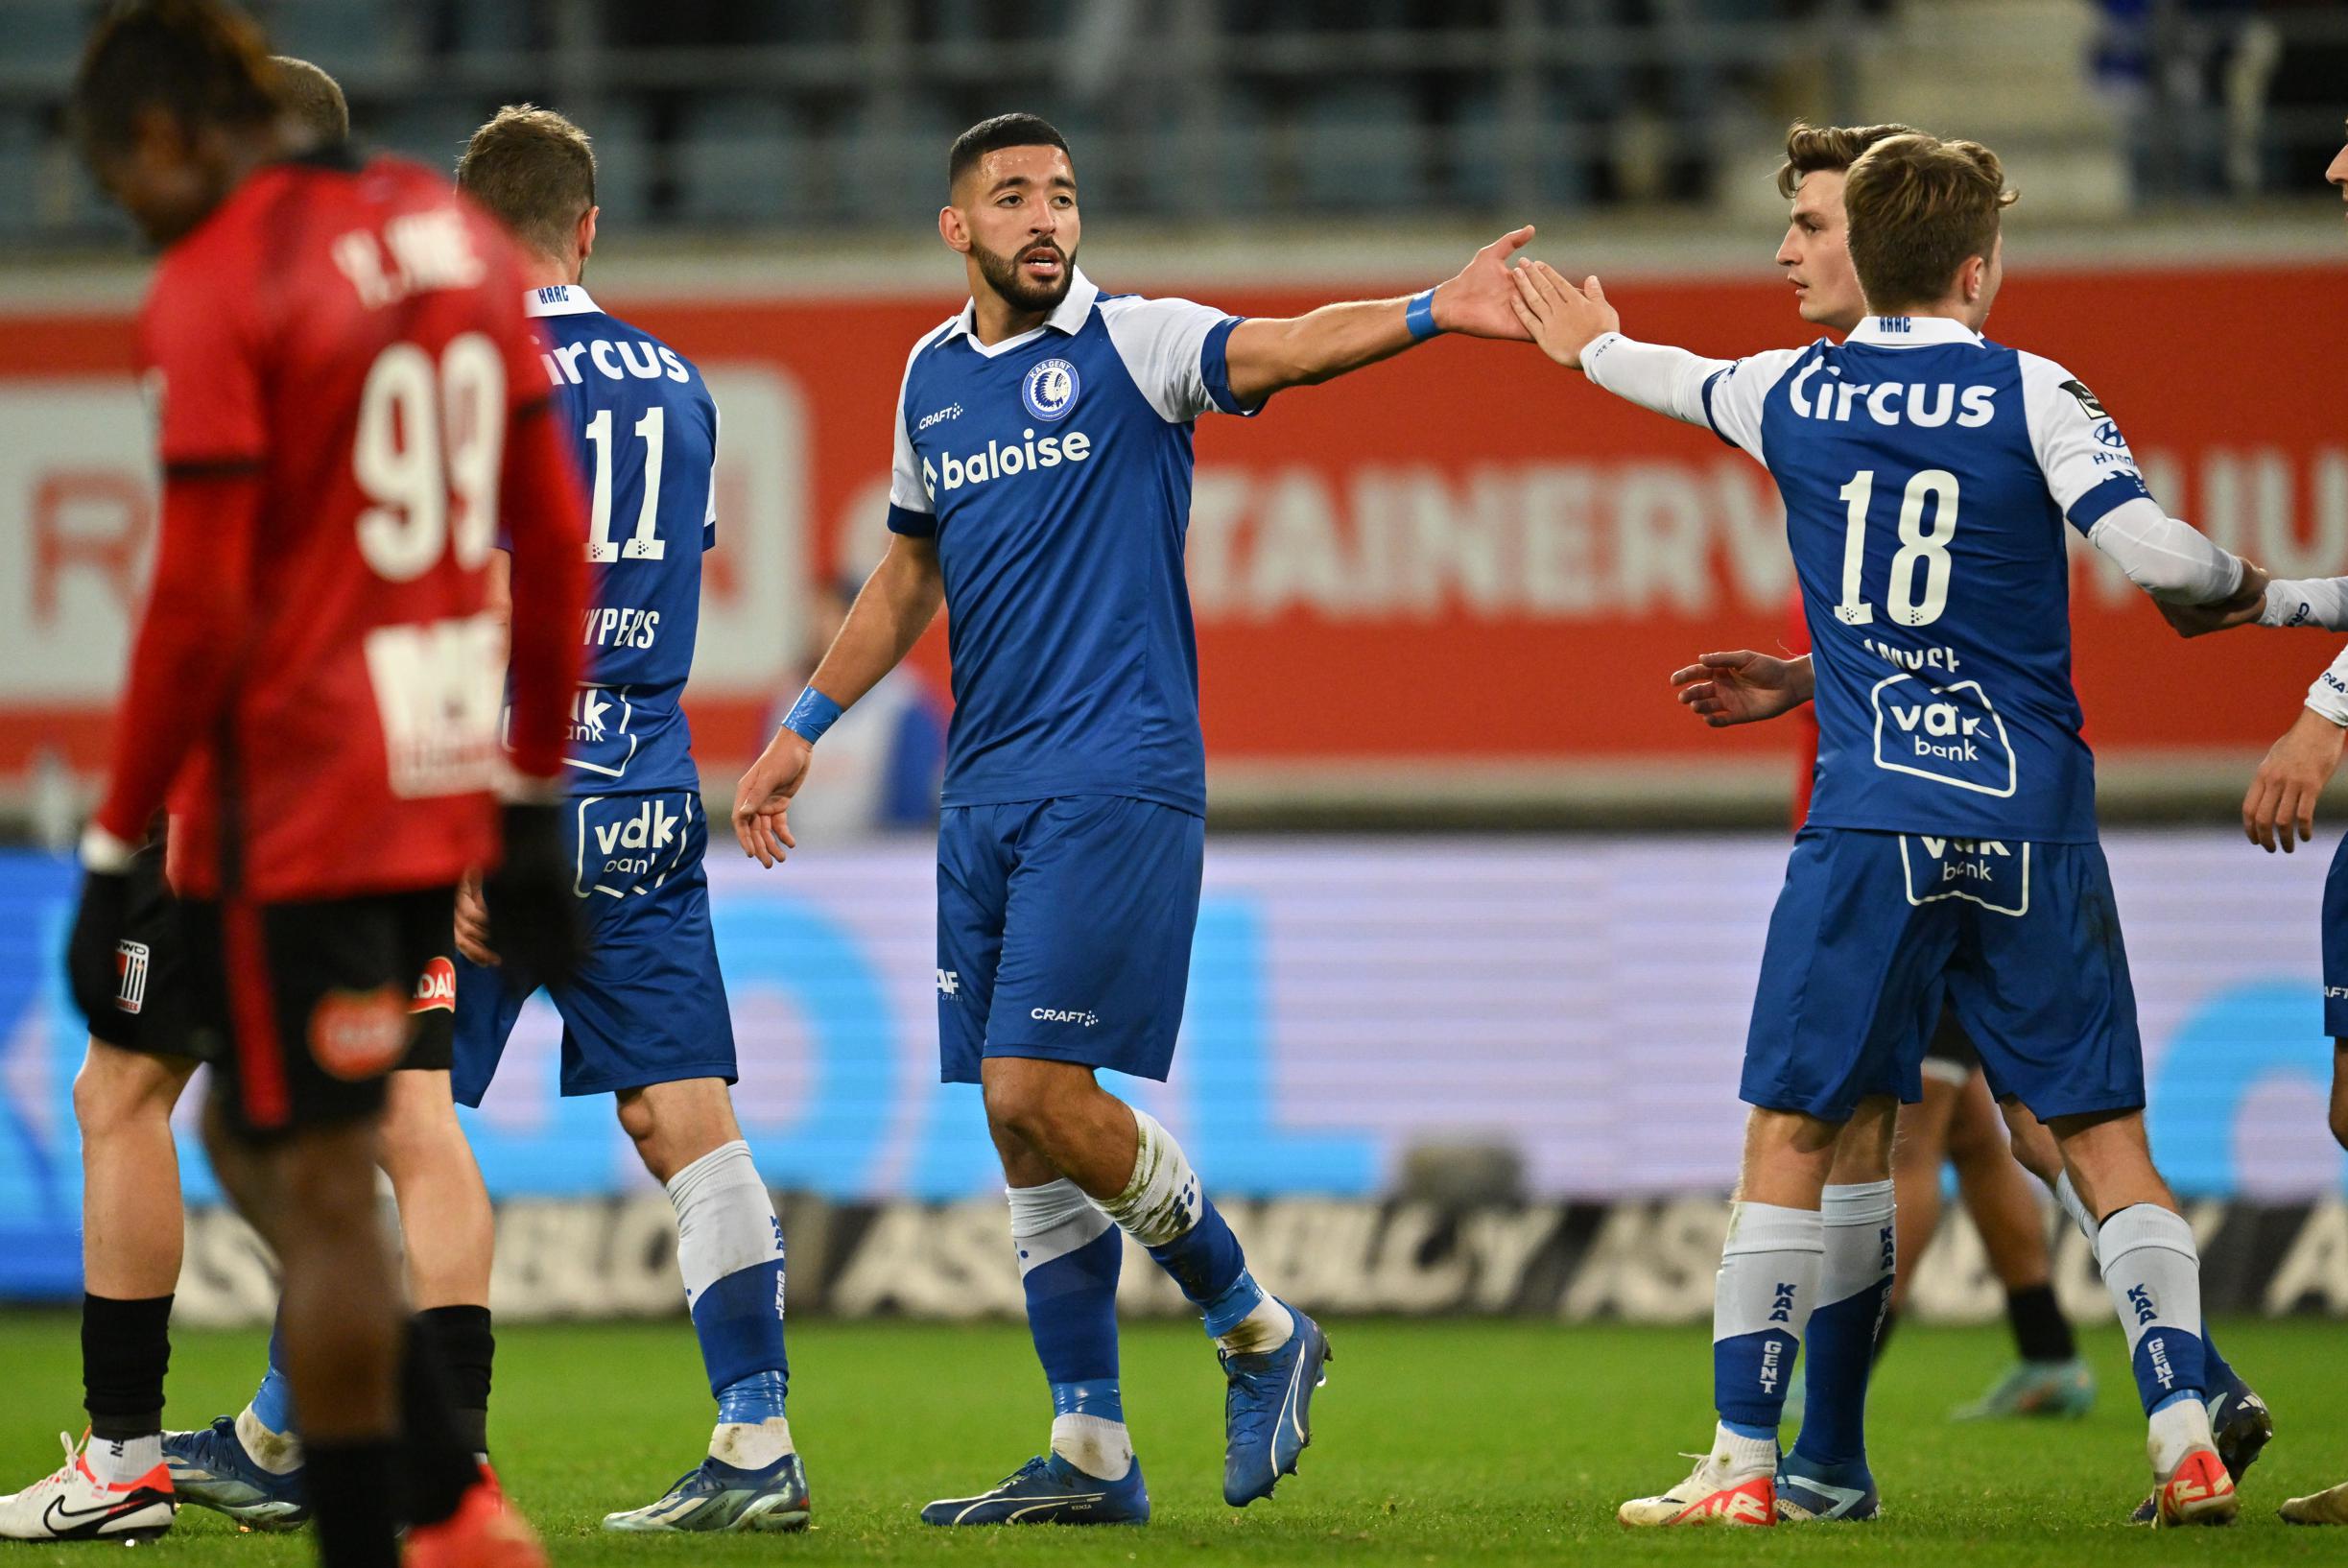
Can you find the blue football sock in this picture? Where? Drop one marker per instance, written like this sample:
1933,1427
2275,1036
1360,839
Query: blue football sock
730,1249
1761,1305
273,1402
2214,1368
2153,1272
1839,1347
1070,1257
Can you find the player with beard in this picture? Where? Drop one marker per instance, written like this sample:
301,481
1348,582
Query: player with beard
1041,492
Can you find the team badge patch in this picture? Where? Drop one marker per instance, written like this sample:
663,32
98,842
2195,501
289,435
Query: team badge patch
130,964
1050,389
360,1035
435,988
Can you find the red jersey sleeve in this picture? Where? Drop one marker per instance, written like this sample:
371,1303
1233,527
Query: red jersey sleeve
203,365
544,515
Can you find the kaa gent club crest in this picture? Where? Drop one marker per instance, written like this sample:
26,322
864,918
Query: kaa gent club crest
1050,389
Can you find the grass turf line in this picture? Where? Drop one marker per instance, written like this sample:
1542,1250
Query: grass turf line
1459,1443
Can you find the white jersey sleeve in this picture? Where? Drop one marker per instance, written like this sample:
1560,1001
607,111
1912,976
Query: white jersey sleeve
2321,600
2088,466
1173,350
709,516
909,493
2169,559
1725,395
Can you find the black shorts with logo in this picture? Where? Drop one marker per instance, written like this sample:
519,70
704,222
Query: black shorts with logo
302,1008
151,1001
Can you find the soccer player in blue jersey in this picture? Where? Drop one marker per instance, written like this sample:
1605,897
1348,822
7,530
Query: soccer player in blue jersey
1950,849
645,1019
1041,494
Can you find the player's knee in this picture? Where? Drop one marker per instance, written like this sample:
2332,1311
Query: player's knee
1025,1105
120,1091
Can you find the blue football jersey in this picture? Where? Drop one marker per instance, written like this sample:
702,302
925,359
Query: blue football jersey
645,431
1927,474
1053,470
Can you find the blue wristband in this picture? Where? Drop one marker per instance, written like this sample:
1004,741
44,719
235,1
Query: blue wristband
812,715
1418,315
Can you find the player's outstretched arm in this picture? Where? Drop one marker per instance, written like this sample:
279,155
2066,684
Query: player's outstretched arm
2288,602
1575,325
2178,565
897,606
1743,687
1266,355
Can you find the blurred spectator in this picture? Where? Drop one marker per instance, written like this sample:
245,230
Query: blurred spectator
881,767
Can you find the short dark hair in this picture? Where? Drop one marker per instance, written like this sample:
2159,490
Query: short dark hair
1920,208
535,170
203,61
992,135
313,98
1828,149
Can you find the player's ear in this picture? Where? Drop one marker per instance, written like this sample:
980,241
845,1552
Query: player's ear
952,229
586,233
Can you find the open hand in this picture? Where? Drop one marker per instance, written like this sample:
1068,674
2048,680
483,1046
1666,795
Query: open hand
473,923
1562,319
1478,303
762,805
1743,687
2279,811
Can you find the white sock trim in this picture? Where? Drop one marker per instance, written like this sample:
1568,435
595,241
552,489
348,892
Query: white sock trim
1051,1220
1161,1200
1771,1228
1095,1444
2068,1196
725,1218
1858,1203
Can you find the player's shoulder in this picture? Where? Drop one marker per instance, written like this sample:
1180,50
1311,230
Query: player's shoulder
1116,310
2050,390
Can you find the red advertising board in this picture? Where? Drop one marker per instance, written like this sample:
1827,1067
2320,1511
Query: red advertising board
1465,555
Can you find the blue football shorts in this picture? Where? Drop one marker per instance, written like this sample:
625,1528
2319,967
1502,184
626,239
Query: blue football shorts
648,1005
1064,931
2336,944
1873,932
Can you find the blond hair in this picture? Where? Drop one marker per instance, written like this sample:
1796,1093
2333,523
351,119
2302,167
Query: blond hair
1919,210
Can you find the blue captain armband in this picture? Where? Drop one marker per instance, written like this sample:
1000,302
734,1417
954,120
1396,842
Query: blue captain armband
812,715
1418,315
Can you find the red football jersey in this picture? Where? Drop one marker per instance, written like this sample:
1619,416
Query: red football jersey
346,388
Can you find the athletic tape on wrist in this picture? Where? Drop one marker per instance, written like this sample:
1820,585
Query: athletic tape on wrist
1418,315
812,715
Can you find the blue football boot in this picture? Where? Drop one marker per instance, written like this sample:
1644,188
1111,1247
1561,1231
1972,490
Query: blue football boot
1268,1411
717,1496
2241,1426
211,1469
1809,1492
1049,1490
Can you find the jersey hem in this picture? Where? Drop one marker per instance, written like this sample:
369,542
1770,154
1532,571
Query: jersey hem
1193,806
1944,830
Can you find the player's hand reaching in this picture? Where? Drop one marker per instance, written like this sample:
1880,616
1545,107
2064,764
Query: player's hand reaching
1478,301
2279,811
473,923
1743,687
762,805
2247,604
1564,320
92,963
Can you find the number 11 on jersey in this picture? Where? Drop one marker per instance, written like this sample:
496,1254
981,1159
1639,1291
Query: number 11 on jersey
647,544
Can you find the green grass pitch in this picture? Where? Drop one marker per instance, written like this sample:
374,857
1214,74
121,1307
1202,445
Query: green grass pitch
1435,1444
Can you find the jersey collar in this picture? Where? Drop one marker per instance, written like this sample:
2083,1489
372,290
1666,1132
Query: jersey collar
1067,318
1912,331
558,300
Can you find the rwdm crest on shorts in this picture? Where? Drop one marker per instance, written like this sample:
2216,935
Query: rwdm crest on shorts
1050,389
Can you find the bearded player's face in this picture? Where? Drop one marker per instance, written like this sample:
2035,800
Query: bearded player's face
1017,208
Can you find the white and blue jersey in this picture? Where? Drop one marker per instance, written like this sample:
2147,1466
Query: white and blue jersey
1054,471
1950,856
646,430
1927,474
648,1005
